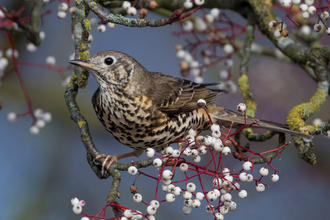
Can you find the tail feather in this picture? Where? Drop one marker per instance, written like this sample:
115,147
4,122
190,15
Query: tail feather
225,117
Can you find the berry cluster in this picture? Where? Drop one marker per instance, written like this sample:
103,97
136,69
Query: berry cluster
218,194
210,26
307,9
41,119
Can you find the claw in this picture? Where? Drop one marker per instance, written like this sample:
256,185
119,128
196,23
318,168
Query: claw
107,159
112,159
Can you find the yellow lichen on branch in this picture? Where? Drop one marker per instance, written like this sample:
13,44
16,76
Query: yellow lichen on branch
300,113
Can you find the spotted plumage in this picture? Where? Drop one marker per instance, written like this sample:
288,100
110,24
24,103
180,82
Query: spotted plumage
144,109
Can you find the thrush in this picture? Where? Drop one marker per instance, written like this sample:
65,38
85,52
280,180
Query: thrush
143,109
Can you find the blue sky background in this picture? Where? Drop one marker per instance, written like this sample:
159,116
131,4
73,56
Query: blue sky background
40,174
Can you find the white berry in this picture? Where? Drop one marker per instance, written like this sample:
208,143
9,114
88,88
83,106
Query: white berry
157,162
187,4
126,5
303,7
219,216
186,210
226,151
167,174
194,153
272,24
275,177
101,28
191,187
177,191
183,167
77,209
150,152
128,213
243,176
196,203
63,7
188,26
137,197
187,195
61,14
209,209
12,116
325,15
286,3
277,33
305,14
34,129
327,31
74,201
200,196
215,12
228,48
211,196
249,178
263,171
47,116
224,210
242,194
209,18
260,187
111,25
151,210
247,166
31,47
241,107
317,27
202,150
181,54
305,29
199,2
154,203
132,170
197,159
187,151
40,123
309,2
176,153
50,60
170,197
201,102
232,206
217,193
223,74
131,11
311,10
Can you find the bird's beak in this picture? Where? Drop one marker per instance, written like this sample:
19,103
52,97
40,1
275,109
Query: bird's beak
82,63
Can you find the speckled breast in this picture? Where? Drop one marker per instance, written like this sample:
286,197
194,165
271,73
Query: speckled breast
136,123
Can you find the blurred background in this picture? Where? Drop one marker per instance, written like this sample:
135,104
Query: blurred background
41,173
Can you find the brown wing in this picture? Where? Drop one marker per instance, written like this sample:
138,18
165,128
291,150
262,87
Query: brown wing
174,95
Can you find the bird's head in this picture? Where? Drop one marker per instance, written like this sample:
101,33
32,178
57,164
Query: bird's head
110,67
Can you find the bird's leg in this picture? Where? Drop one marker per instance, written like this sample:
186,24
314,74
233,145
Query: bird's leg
180,146
113,159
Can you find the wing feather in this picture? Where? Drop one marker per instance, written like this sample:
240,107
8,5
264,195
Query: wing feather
174,95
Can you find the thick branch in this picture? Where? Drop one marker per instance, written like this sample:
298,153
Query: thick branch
133,22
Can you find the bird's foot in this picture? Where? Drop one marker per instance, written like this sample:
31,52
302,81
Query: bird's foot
113,159
107,159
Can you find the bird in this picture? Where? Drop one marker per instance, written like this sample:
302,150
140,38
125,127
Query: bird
143,109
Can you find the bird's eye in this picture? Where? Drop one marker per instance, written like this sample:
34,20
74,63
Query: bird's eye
108,61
